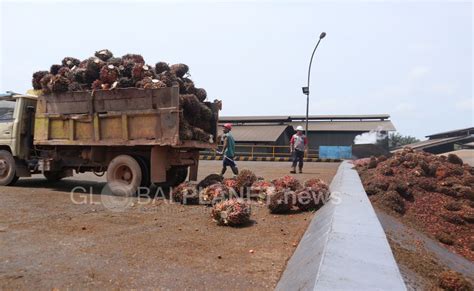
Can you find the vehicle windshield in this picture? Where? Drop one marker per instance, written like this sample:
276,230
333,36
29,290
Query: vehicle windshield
7,108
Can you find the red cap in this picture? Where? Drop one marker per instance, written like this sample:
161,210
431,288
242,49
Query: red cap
228,126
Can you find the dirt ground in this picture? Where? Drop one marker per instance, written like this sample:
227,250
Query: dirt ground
50,238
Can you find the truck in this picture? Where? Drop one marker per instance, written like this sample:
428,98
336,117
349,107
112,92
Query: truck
130,135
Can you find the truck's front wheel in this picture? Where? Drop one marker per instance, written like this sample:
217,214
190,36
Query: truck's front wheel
124,175
8,175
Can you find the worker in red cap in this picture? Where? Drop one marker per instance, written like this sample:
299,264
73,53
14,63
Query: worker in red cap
228,150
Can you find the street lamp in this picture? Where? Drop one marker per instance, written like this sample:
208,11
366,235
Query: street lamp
306,89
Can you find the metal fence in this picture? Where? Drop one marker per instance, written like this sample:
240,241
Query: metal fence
272,151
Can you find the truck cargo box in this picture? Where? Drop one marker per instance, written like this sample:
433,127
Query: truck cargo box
122,117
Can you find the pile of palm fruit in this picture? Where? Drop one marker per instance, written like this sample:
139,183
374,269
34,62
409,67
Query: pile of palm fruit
226,195
103,71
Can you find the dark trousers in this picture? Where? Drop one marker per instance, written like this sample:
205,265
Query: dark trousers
298,158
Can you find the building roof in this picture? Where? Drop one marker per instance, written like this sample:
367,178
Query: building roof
291,118
451,133
385,125
436,142
258,133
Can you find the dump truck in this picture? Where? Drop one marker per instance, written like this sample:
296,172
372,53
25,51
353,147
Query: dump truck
131,135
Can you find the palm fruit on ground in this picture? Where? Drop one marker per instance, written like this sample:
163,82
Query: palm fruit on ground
262,189
134,58
200,93
179,70
104,54
287,182
244,181
281,201
59,84
36,81
313,196
109,74
70,62
214,193
231,212
161,67
186,193
55,69
209,180
450,280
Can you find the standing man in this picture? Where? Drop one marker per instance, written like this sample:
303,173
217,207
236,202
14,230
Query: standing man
298,145
228,151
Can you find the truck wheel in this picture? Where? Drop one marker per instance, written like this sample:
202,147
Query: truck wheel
124,175
8,175
145,167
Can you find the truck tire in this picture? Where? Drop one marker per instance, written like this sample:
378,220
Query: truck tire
124,175
8,175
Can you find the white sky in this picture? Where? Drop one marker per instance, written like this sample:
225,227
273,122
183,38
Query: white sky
412,60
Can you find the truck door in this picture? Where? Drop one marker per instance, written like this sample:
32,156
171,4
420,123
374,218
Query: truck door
7,108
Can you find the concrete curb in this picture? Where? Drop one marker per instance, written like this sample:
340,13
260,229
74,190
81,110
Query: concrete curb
344,247
267,159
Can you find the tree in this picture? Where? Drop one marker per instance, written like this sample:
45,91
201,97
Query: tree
395,140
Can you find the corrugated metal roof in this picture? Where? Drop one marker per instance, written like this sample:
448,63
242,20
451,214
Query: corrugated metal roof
385,125
435,142
290,118
257,133
457,132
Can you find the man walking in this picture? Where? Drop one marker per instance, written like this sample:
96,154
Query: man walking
298,145
228,151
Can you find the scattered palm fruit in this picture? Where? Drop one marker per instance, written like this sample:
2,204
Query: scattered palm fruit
453,281
281,202
186,193
231,212
287,182
214,193
244,181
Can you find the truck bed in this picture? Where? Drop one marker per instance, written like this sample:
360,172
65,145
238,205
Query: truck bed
119,117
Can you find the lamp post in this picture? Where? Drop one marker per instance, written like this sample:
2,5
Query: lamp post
306,89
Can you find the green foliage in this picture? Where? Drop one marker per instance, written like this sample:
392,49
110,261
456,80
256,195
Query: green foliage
395,140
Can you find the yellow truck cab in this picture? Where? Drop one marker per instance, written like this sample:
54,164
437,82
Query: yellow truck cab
16,135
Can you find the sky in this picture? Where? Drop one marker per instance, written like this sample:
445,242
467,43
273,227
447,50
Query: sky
412,60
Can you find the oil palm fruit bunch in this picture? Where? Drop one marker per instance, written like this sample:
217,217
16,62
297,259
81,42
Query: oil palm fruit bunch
59,84
36,81
104,54
150,83
126,68
316,184
124,82
179,70
186,193
55,69
77,75
109,74
200,93
70,62
214,193
75,86
200,134
244,181
281,201
141,71
134,58
44,82
231,212
161,67
168,78
305,199
64,71
210,180
93,67
97,85
287,182
114,61
187,86
262,189
185,129
191,107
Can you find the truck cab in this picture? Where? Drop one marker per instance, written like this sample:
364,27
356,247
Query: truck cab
16,135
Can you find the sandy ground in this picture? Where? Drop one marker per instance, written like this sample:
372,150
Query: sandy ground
50,238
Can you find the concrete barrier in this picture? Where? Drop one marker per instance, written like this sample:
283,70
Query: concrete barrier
344,247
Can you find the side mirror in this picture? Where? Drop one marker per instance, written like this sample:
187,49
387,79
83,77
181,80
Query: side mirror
30,109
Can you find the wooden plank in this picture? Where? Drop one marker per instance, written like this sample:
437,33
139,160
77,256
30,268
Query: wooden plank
96,127
71,129
124,127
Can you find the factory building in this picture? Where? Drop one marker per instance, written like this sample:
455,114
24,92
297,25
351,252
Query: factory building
265,134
